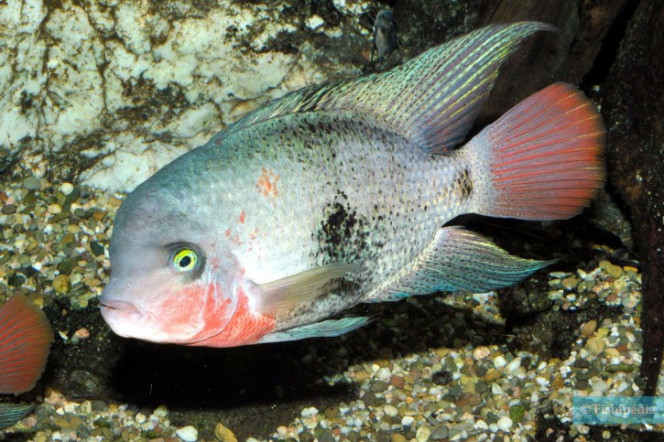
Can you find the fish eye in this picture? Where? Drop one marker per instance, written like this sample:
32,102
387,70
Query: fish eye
184,260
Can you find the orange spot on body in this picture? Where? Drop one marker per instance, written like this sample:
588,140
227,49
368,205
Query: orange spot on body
253,235
242,217
267,183
232,236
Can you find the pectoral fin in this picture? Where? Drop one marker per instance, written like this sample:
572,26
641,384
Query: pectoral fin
283,295
460,260
324,329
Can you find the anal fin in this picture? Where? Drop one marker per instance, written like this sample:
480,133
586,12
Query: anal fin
11,413
325,329
458,260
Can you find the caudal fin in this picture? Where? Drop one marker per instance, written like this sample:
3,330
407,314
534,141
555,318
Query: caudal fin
543,158
25,339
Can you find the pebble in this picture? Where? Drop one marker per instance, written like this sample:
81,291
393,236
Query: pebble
314,22
439,433
570,283
54,209
391,410
513,365
61,284
481,425
378,386
66,188
505,423
422,434
499,362
397,382
309,412
384,374
32,183
224,434
188,433
588,328
492,374
8,209
596,345
612,269
517,412
481,352
82,333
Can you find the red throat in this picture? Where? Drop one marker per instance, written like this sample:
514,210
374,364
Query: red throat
244,327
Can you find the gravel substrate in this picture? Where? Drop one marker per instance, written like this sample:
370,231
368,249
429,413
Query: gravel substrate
54,247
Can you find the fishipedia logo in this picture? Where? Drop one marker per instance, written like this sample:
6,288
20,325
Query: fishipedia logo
617,410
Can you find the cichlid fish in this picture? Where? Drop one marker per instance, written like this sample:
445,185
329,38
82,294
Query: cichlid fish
338,194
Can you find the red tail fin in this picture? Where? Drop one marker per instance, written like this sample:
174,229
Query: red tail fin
25,338
545,156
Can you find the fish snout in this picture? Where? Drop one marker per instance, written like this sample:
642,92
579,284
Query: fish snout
119,314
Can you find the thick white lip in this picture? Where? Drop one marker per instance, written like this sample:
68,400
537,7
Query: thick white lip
122,316
128,320
125,309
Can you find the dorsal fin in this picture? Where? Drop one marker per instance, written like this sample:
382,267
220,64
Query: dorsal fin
432,99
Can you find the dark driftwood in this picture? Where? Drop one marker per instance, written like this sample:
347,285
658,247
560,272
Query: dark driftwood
634,104
617,45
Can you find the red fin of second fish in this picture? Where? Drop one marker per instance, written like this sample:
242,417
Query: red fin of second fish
544,156
25,340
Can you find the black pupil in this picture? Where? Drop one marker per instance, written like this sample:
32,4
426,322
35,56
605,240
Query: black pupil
185,261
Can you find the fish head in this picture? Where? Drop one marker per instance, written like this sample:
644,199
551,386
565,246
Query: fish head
169,283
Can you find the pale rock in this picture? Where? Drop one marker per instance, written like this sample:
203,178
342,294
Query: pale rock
499,362
188,433
422,434
314,22
513,365
505,423
391,410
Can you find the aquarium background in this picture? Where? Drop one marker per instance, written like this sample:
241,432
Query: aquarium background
95,96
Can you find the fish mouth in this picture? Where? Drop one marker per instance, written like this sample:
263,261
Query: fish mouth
128,320
115,312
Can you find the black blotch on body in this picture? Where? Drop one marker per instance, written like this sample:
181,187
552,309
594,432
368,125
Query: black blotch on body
342,235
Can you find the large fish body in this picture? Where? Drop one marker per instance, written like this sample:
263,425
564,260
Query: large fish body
338,194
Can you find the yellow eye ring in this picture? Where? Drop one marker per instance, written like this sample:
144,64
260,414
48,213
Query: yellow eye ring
185,260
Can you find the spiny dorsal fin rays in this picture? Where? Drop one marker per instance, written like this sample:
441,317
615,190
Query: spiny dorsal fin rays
432,99
286,294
